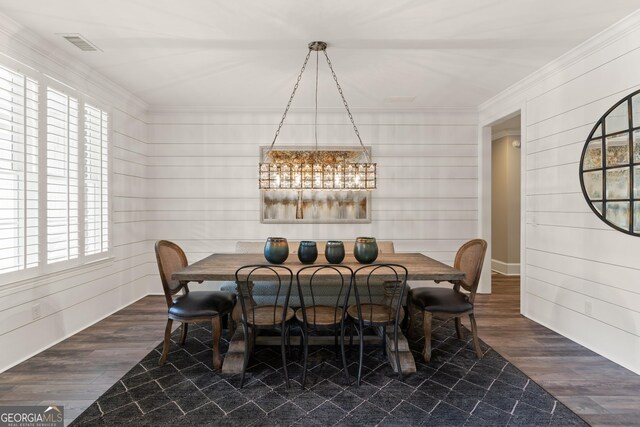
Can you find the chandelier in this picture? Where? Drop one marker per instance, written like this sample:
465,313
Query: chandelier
327,169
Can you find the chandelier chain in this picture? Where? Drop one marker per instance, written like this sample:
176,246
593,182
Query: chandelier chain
346,106
286,110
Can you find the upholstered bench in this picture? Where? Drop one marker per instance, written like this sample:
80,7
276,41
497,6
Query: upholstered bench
265,292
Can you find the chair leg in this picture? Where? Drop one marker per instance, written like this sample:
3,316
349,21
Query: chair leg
459,330
305,343
360,358
351,327
284,353
216,327
474,333
397,351
301,345
245,329
344,356
426,352
183,334
167,339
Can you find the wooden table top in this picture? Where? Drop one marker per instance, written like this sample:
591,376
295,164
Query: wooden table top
219,267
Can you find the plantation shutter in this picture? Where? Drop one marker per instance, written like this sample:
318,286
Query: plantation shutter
18,171
62,177
96,181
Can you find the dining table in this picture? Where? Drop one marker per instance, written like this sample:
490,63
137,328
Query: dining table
223,266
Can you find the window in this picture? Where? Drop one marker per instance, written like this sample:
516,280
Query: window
610,166
96,180
54,180
18,171
62,177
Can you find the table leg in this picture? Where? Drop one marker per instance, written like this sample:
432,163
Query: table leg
420,325
407,363
234,359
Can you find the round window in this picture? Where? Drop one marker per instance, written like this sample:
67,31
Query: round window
610,166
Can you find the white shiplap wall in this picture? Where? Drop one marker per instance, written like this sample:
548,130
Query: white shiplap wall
582,277
74,299
202,170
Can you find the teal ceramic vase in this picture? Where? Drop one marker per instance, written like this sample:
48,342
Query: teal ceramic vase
276,250
307,252
334,251
365,250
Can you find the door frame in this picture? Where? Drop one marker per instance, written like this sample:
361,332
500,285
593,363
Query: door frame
484,191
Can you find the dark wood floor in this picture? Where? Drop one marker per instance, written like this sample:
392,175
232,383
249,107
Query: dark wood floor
78,370
600,391
75,372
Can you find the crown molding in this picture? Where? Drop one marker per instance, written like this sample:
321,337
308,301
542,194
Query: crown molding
218,109
595,43
25,47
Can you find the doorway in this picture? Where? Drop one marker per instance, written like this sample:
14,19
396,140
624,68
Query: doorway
506,198
506,202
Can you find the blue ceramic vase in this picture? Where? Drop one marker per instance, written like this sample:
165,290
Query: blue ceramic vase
365,250
276,250
307,252
334,251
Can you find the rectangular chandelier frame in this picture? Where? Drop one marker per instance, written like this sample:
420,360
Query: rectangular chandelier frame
316,170
317,176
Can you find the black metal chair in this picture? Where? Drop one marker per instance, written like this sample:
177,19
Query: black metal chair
319,316
264,316
190,306
368,313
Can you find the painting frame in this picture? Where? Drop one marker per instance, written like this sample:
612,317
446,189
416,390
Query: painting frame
321,216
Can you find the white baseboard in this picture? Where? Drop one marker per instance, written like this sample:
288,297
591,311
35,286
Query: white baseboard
508,269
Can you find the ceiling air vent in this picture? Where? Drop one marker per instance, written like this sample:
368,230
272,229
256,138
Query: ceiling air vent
80,42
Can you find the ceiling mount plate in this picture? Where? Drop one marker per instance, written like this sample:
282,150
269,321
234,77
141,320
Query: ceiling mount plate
318,46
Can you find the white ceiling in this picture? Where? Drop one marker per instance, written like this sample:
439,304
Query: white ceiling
247,53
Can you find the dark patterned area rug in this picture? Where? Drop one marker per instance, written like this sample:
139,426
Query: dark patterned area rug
454,389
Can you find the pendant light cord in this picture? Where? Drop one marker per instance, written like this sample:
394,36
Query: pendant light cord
316,116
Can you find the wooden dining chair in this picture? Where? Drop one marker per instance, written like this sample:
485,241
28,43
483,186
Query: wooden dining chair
189,307
367,312
448,303
315,316
264,316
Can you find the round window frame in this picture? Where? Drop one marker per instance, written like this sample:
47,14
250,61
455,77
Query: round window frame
603,168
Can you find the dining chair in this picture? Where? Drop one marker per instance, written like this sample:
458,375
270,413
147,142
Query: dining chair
276,315
371,312
315,317
189,307
447,303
